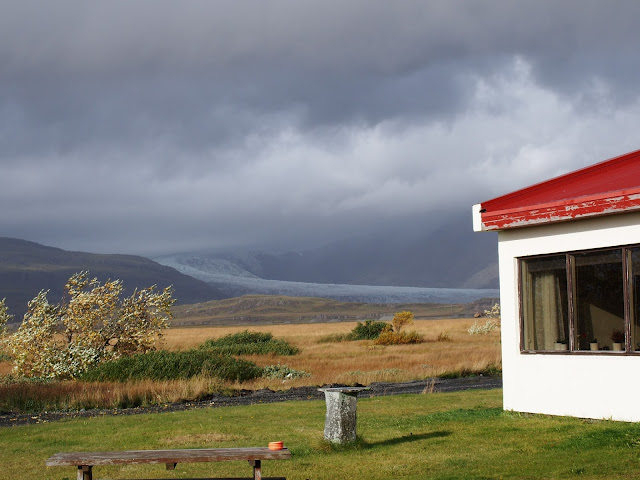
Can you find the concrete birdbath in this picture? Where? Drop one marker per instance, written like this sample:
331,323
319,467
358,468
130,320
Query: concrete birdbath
340,421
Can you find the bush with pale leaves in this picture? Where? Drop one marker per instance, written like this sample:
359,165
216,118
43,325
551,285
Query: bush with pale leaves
90,325
492,323
4,318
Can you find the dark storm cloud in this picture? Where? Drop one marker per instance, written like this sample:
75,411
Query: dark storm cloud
282,121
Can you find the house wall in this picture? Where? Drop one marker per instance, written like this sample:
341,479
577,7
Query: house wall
599,385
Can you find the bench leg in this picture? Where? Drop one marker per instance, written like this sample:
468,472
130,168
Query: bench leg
257,469
84,472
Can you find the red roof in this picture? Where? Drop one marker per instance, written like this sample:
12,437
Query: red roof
609,187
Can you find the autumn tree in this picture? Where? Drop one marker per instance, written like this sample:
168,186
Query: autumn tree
401,319
91,324
394,336
4,318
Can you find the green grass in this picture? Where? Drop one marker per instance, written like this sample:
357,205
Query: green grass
462,435
369,330
165,365
249,343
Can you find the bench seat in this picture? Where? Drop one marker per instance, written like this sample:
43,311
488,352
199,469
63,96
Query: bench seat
85,461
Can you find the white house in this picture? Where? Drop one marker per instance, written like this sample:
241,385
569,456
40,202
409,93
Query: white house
569,252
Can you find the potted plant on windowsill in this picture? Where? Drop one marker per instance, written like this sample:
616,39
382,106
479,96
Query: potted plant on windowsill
560,345
617,337
593,345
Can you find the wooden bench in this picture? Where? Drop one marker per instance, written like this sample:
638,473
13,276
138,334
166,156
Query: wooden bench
85,461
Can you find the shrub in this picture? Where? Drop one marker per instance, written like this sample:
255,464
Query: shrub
494,312
164,365
444,337
401,319
489,326
368,330
283,372
90,325
242,338
402,338
492,323
393,336
249,343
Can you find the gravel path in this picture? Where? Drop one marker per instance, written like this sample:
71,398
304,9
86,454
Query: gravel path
248,397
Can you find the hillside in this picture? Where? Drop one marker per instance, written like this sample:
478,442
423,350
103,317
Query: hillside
267,309
28,267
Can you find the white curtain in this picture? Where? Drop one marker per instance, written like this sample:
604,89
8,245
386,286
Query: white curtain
543,312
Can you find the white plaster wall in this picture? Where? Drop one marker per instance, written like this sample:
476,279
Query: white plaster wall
604,385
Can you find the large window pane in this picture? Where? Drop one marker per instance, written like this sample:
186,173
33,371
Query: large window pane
544,302
599,300
634,293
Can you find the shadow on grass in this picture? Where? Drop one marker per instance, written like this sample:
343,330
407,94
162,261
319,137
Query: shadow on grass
360,444
406,438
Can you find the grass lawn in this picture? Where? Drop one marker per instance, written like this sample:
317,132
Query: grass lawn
462,435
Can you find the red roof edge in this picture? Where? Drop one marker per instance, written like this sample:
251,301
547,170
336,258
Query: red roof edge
605,188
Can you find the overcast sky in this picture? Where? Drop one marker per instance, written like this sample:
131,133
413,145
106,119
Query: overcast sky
152,126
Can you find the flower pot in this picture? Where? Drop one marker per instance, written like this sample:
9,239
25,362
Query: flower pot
594,346
617,347
560,346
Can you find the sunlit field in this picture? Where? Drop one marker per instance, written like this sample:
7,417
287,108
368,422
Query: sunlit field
448,348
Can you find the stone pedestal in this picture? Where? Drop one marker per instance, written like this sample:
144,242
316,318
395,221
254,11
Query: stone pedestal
340,421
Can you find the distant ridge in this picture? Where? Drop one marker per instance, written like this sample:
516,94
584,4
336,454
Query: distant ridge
274,309
28,267
234,281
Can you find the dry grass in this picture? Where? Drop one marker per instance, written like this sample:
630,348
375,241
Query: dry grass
448,348
35,396
5,368
362,361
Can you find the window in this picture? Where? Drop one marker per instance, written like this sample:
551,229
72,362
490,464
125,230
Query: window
544,302
581,301
599,299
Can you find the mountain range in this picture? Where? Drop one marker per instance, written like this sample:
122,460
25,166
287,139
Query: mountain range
26,268
447,265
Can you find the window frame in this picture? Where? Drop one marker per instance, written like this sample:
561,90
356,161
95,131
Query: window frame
627,279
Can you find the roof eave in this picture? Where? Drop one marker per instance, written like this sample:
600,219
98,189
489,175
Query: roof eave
615,202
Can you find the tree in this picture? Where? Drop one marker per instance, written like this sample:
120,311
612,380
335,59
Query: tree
90,325
4,318
401,319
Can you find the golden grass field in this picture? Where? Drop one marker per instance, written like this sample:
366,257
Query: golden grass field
448,348
362,361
